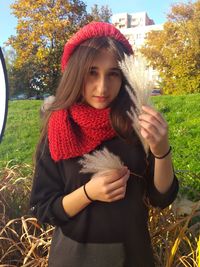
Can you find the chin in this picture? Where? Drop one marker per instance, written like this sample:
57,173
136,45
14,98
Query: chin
100,106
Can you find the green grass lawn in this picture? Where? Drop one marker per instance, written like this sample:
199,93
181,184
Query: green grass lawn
183,116
181,112
21,133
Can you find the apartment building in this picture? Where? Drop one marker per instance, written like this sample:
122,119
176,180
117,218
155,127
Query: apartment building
135,27
125,20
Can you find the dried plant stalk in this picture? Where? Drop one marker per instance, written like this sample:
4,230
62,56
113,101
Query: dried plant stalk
165,226
138,88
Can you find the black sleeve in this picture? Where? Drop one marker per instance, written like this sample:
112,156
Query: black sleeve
156,198
47,190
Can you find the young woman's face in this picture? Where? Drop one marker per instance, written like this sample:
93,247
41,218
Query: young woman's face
103,81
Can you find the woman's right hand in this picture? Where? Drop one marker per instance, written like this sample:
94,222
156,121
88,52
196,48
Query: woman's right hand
108,186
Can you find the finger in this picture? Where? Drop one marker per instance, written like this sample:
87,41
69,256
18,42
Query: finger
152,129
154,113
152,134
151,124
147,136
113,175
118,183
117,194
161,127
115,199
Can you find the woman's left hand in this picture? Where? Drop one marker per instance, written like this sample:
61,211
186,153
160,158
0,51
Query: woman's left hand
154,129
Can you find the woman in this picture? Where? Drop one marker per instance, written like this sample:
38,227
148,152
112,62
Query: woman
100,220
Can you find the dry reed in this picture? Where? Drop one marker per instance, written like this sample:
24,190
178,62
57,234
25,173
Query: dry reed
25,243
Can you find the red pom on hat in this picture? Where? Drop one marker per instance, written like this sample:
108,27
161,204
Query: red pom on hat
91,30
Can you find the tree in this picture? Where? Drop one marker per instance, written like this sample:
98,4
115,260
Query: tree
103,13
175,51
43,28
10,57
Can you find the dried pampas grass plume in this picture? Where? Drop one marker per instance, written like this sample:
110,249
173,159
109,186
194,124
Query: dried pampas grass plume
138,88
100,161
137,75
133,114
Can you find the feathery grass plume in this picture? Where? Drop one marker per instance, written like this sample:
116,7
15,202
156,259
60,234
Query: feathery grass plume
136,72
100,160
133,114
138,88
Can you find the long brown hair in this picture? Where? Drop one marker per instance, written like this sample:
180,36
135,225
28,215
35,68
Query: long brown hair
72,83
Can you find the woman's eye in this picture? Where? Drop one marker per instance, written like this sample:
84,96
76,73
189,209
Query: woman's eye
114,74
93,73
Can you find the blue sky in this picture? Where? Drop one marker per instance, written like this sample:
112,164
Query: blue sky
156,10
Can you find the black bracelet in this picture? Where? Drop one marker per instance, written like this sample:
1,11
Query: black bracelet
170,148
87,193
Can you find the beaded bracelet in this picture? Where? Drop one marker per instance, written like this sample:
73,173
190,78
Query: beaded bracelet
170,148
87,193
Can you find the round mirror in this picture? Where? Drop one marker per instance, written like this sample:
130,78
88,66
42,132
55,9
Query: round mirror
3,95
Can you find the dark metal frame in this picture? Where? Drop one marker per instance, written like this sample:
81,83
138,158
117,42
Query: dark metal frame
6,94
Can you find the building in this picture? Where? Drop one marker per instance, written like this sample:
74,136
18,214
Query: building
125,20
135,27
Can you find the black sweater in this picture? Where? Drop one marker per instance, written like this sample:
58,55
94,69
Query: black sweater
123,221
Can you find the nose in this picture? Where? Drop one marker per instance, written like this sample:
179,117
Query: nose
102,85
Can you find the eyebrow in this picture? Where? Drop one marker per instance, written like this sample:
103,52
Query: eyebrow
111,69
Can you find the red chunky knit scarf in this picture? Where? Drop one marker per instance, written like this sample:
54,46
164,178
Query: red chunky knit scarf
77,131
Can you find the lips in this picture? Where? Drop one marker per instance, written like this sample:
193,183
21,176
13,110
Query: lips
101,98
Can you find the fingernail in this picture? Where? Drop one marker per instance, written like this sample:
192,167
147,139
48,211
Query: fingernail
143,107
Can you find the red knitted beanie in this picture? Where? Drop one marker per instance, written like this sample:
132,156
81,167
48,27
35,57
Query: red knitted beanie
91,30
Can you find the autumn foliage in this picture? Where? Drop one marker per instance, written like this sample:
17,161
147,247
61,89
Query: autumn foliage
42,30
175,51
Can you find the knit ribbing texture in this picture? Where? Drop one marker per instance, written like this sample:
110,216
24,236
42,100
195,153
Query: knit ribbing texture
78,131
92,30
